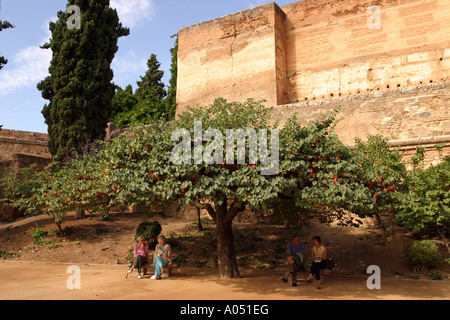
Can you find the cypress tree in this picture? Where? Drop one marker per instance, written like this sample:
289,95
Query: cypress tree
151,83
171,99
79,86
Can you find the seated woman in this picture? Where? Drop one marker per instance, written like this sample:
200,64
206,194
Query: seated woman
319,257
140,256
162,257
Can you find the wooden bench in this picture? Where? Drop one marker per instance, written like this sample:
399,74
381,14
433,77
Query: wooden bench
147,266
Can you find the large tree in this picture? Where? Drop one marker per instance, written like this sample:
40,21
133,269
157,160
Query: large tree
317,173
4,25
79,87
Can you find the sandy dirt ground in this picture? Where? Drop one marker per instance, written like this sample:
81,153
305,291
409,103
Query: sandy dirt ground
47,281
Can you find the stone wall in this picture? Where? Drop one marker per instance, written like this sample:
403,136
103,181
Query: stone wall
398,114
332,52
23,142
20,149
233,57
313,50
312,56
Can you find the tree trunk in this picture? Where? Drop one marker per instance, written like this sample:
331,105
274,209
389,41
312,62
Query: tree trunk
199,221
80,214
226,255
61,231
444,239
381,224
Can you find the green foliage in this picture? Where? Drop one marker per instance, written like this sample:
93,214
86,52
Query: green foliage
426,202
171,99
20,190
318,176
149,230
3,26
151,83
150,103
79,87
130,255
436,276
145,111
423,255
124,101
39,235
5,255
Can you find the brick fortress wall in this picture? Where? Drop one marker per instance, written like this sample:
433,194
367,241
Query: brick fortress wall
312,56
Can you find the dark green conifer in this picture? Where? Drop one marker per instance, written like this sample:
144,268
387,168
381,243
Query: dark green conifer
151,83
79,87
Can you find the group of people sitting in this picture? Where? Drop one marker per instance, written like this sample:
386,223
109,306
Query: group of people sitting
296,253
161,258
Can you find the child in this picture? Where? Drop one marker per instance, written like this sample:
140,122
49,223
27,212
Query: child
162,258
140,256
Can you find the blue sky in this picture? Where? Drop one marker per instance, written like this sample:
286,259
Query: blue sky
151,22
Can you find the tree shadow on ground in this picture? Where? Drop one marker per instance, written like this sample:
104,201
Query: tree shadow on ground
269,284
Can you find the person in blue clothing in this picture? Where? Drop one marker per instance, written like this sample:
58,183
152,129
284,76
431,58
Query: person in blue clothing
295,253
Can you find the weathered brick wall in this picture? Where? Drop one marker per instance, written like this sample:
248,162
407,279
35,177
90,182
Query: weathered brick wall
320,54
232,57
332,52
23,142
398,114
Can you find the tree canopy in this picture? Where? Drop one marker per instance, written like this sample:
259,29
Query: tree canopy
316,175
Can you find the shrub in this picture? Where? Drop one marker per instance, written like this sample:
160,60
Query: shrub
130,255
39,235
436,276
5,255
423,255
149,230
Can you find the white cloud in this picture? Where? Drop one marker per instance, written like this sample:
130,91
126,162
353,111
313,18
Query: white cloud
31,66
129,63
28,66
134,12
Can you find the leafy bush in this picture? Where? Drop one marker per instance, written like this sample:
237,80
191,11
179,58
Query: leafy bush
426,203
130,255
5,255
149,230
39,235
423,255
436,276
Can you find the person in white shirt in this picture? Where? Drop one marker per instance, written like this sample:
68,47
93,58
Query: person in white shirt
319,258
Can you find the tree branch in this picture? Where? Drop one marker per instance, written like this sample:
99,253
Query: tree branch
207,207
233,211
